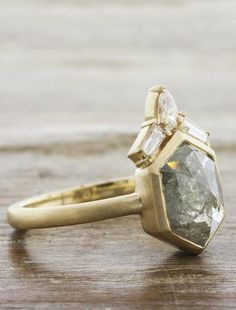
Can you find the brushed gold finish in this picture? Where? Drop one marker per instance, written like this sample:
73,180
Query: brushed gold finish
149,185
151,103
78,205
142,195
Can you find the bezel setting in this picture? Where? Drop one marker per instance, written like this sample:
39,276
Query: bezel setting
148,173
149,184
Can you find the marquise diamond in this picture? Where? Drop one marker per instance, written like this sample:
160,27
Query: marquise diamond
168,111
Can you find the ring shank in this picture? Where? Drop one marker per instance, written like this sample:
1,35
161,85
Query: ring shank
88,203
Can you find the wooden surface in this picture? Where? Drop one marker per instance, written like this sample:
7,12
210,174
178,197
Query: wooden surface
73,79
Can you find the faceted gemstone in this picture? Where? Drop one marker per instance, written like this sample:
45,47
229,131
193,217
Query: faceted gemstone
167,110
153,139
193,194
194,130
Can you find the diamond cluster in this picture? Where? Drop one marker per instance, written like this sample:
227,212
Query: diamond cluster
169,120
166,119
193,194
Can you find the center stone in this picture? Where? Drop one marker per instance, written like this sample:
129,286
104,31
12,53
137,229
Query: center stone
193,194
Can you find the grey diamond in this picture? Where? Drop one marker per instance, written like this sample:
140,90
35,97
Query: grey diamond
193,194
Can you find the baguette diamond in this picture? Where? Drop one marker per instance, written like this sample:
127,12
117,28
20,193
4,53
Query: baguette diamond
194,130
153,140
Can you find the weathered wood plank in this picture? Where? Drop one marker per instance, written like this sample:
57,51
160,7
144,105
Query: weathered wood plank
111,263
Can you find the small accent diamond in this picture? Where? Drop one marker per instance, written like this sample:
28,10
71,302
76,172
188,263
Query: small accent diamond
153,140
167,110
194,130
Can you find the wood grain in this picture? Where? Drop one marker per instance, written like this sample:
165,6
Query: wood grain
73,79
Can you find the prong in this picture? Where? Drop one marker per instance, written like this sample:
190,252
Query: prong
180,119
163,88
157,88
208,142
181,113
165,123
168,132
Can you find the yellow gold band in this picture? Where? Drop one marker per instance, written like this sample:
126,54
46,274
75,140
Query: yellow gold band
176,189
88,203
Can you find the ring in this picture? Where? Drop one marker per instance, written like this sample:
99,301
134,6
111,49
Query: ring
176,189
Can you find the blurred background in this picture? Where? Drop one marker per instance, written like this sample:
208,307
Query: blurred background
73,81
69,68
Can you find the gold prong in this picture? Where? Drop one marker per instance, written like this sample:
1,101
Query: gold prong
165,123
208,142
163,88
157,88
168,132
180,119
182,113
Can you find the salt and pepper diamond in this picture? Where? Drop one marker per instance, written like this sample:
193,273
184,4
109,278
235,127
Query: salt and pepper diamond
193,194
184,191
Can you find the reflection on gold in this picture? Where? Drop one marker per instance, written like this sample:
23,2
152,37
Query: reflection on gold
173,164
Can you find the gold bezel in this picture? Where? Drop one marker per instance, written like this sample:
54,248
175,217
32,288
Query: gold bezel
149,185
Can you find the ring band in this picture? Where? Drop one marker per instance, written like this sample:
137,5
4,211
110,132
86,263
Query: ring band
88,203
176,189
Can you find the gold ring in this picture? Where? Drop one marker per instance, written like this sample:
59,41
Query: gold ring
176,190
